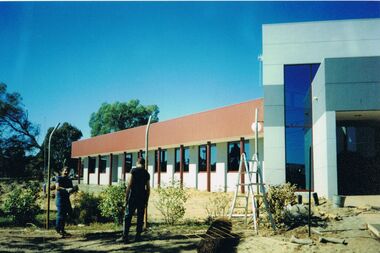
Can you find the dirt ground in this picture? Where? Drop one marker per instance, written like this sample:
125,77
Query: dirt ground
347,223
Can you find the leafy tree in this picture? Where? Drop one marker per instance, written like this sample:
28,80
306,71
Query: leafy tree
119,116
61,146
17,134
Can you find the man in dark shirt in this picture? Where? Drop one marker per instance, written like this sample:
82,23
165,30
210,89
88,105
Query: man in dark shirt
64,187
137,196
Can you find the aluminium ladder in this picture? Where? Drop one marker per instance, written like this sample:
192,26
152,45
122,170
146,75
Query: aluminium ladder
250,193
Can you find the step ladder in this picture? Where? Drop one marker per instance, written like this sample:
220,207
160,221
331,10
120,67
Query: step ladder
250,171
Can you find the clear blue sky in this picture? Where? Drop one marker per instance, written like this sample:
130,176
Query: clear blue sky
67,58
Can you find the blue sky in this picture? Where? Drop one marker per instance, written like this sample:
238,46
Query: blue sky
67,58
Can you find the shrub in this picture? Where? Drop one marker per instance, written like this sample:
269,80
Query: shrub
21,205
85,207
218,204
279,197
171,202
112,202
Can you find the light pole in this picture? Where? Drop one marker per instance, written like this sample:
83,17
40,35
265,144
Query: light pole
49,173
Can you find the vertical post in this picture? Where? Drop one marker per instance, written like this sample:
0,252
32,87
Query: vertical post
181,164
110,175
242,187
48,182
208,165
99,161
146,166
123,166
88,169
159,167
257,147
310,164
79,169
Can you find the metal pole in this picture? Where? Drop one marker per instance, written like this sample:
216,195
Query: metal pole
309,217
257,145
49,173
146,165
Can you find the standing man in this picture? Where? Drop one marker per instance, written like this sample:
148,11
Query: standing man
137,196
64,187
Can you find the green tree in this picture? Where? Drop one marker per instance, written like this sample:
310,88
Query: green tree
17,134
60,146
119,116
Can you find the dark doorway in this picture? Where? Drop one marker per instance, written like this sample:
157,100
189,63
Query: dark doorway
358,157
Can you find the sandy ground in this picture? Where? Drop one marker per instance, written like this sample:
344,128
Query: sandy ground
347,223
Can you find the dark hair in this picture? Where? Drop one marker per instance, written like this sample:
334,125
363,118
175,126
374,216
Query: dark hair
140,161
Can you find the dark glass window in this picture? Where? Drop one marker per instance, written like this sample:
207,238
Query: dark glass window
177,159
103,164
233,155
213,154
91,164
298,121
247,150
202,161
128,162
163,160
186,159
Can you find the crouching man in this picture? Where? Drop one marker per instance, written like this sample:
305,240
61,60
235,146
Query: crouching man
137,196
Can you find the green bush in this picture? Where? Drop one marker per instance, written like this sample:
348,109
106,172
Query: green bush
217,205
279,197
112,202
21,205
171,202
85,207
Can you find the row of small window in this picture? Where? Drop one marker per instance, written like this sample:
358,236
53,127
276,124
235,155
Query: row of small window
233,158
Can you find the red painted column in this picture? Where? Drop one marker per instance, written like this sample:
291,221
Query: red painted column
99,169
88,170
123,166
208,165
243,167
79,169
110,175
159,167
181,164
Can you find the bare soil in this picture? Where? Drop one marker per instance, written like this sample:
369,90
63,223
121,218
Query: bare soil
347,223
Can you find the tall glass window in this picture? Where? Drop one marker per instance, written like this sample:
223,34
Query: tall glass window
128,162
233,155
91,164
186,159
163,160
202,161
213,153
298,122
103,164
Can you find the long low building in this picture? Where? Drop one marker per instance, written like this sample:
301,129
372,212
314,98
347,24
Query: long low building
201,150
321,102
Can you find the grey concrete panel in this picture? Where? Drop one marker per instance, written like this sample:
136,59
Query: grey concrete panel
353,96
274,115
352,70
274,95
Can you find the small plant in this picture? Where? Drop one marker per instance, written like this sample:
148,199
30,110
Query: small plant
85,207
171,202
279,197
21,205
112,202
217,205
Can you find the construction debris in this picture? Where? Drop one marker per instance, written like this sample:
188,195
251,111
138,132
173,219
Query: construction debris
375,229
294,239
332,240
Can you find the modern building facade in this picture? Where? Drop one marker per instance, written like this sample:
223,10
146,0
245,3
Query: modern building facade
321,123
322,105
201,150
